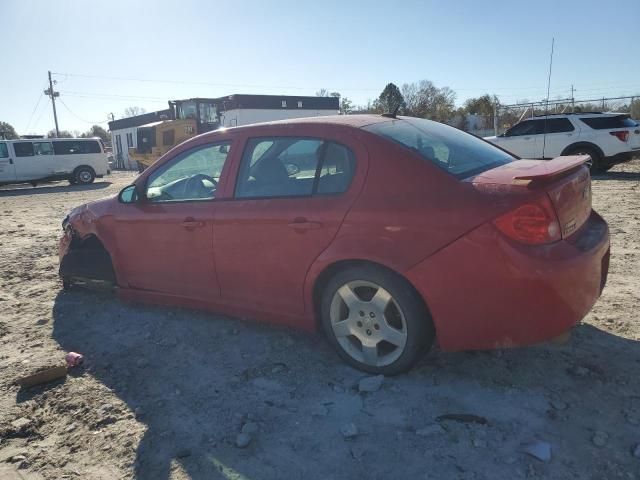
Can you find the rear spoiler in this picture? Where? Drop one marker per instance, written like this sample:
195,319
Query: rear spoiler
529,172
551,168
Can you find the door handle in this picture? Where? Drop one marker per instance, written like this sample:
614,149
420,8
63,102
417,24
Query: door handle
191,223
11,161
302,223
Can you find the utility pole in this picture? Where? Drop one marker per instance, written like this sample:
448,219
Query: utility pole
573,100
113,117
49,92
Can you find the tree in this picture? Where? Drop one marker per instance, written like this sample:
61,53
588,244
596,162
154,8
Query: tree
133,111
323,92
346,106
63,134
483,106
96,131
7,131
390,99
425,100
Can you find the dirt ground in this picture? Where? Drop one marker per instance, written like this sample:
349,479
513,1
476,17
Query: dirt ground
164,393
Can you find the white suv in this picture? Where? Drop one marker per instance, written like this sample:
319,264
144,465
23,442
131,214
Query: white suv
609,138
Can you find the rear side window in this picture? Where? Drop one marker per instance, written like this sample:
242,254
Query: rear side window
42,148
452,150
338,167
557,125
610,122
294,166
4,152
23,149
75,147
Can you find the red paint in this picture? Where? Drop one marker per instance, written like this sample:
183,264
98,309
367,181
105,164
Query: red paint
261,258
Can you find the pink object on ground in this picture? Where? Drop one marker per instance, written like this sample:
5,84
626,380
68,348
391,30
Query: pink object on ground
73,359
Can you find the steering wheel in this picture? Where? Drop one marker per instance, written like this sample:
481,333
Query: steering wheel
190,184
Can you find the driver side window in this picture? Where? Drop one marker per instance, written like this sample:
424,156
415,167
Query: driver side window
193,175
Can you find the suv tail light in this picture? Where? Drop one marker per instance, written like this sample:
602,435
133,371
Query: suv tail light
622,135
534,223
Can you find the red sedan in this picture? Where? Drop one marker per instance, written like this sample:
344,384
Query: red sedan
386,233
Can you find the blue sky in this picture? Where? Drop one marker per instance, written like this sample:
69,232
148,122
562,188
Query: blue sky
191,48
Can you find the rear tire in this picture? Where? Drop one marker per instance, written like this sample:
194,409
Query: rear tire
596,159
84,175
375,320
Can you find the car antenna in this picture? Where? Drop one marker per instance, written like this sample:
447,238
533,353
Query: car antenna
392,114
546,105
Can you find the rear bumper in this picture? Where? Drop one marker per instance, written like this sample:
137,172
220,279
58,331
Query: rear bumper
486,292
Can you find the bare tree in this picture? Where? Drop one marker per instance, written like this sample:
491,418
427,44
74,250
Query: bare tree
133,111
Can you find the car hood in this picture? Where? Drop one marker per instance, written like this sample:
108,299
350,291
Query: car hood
92,211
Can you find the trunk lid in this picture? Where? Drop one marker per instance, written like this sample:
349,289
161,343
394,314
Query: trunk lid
565,180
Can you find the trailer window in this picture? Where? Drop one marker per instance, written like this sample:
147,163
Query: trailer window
23,149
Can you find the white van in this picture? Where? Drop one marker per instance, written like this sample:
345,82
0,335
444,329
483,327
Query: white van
79,160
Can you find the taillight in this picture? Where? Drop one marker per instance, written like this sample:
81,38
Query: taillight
622,135
534,223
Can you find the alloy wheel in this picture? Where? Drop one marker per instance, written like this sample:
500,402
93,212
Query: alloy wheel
368,323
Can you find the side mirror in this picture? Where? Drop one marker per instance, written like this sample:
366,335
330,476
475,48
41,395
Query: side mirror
129,194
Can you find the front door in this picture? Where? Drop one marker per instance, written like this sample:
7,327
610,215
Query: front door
167,238
520,139
291,196
7,166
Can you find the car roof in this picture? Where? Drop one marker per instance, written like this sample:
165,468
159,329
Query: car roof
355,121
582,114
62,139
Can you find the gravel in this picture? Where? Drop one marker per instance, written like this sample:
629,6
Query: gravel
137,357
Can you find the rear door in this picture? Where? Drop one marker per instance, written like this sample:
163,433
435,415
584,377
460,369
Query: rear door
7,166
291,195
558,133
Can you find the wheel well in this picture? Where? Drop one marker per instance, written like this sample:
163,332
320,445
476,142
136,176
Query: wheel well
88,258
578,145
341,265
83,166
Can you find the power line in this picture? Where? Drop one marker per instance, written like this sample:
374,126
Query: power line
109,95
78,117
26,129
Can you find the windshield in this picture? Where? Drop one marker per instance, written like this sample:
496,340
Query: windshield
453,150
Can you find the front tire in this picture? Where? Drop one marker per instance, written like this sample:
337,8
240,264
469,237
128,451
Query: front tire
84,175
375,320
